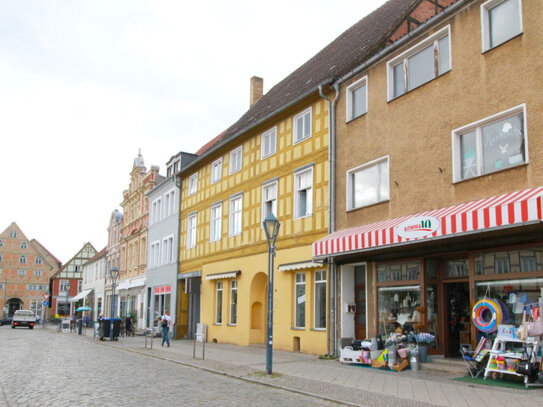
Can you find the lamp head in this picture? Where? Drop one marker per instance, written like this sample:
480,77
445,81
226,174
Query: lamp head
271,227
114,274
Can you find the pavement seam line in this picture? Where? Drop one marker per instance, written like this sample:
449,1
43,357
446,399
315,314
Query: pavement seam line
4,394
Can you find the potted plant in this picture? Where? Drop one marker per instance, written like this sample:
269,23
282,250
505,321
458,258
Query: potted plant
424,340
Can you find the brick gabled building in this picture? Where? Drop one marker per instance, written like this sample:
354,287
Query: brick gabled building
25,269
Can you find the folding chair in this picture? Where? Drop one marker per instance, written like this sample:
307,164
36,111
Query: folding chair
475,360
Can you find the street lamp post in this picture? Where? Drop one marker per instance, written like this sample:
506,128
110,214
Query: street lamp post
114,274
271,227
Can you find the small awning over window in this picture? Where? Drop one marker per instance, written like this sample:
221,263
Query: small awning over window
222,276
301,265
81,295
137,282
513,209
123,285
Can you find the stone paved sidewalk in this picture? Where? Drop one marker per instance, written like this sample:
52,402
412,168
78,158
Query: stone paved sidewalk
352,385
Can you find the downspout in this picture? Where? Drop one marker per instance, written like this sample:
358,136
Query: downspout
332,290
179,183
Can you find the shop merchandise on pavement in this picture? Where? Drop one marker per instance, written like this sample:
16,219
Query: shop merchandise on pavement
329,379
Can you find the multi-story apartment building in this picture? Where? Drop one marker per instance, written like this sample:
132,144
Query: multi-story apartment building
272,164
25,269
275,158
439,173
135,206
67,283
162,250
94,277
113,258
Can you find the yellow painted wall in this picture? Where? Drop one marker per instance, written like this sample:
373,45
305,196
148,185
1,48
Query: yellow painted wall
252,286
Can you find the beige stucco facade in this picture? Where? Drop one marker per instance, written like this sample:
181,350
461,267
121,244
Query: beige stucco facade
416,132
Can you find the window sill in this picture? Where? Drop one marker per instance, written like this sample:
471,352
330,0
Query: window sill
501,43
263,157
490,173
234,325
297,329
294,142
318,329
357,117
302,217
367,206
217,324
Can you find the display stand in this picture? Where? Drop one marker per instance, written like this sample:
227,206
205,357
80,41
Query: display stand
507,334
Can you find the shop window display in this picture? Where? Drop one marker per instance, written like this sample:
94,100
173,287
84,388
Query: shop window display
397,308
513,296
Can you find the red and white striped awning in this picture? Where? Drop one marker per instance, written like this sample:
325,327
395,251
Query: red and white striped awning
516,208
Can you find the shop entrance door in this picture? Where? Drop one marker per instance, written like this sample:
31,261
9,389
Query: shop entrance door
457,317
360,300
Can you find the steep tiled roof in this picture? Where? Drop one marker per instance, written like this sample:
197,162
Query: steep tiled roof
347,51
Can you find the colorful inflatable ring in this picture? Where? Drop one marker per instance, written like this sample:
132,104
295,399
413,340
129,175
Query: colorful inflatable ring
493,307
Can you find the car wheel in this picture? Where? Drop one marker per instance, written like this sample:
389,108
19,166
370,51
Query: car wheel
13,327
30,327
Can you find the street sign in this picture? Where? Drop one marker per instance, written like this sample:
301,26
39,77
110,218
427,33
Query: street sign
45,297
46,303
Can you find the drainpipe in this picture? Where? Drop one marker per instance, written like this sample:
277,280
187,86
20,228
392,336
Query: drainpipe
179,183
332,289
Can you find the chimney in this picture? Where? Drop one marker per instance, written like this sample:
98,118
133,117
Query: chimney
257,85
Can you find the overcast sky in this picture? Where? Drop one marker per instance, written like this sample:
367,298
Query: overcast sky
85,84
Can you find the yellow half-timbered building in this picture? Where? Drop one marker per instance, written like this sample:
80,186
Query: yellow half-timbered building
279,166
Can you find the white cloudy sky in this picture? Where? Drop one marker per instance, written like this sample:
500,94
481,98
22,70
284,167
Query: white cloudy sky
85,84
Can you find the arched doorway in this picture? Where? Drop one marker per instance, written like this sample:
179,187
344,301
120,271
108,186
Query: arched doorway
13,305
258,308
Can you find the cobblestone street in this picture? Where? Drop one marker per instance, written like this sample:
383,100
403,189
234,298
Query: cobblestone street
42,368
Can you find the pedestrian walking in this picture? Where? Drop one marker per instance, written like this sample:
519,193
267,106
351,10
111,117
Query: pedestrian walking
166,322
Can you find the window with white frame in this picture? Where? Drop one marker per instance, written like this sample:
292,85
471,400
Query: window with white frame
269,199
166,205
167,252
38,260
22,259
154,251
63,285
490,145
216,170
233,302
299,300
303,193
357,98
37,273
193,184
12,234
21,272
368,184
36,305
1,243
236,206
420,64
302,126
79,285
218,302
23,245
501,20
268,143
236,157
191,230
215,226
320,299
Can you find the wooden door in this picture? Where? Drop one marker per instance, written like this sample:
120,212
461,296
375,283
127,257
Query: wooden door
360,300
